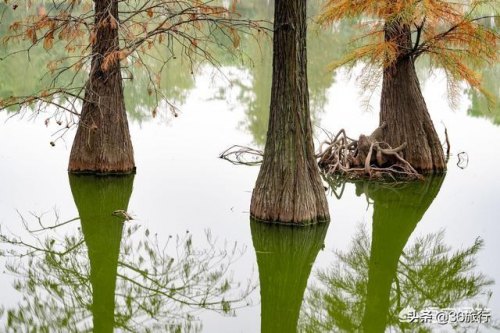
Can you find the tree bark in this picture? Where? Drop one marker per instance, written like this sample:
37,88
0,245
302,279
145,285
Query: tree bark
289,187
102,143
404,110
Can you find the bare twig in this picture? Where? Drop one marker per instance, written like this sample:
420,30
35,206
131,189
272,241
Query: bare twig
240,155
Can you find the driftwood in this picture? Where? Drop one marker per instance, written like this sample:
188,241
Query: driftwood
369,157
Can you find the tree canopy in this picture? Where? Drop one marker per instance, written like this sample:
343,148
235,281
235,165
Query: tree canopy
151,34
451,33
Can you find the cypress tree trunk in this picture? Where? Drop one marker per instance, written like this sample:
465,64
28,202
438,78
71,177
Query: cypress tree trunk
289,188
404,110
102,143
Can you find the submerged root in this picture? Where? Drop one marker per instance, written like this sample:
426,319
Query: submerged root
369,157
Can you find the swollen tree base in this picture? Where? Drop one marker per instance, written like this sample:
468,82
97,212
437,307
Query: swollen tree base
403,108
318,220
404,111
102,144
289,187
289,193
103,173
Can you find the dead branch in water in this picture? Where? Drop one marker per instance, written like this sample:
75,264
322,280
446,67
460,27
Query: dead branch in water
240,155
369,157
463,160
448,147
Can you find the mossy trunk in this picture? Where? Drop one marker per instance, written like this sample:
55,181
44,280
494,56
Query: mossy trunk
396,213
285,257
289,188
102,143
403,107
96,199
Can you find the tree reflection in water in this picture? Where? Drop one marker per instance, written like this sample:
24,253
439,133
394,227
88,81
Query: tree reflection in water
367,286
111,274
285,256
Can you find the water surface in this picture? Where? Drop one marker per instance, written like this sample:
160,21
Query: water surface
182,191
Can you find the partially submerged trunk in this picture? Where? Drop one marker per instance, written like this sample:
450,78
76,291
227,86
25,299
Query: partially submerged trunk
289,187
404,110
102,143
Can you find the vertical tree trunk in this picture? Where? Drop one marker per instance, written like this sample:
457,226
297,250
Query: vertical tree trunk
289,188
102,143
404,110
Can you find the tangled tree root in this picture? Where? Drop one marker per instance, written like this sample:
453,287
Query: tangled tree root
366,158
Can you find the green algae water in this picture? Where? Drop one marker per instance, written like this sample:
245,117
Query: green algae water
172,249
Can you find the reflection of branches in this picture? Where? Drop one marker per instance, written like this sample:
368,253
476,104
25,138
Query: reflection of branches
159,285
428,274
336,184
38,218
